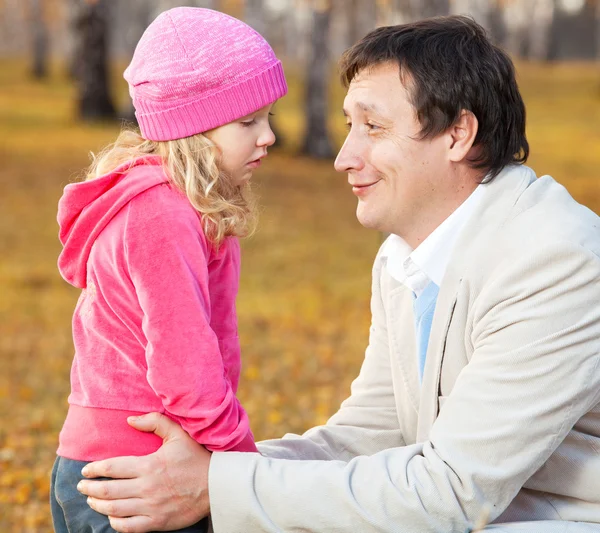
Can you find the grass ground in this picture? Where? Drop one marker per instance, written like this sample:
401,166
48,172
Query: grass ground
303,304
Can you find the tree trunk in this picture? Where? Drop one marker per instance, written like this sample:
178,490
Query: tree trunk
367,17
294,37
164,5
528,28
598,30
396,12
136,15
429,8
497,29
362,18
316,141
161,5
540,32
40,40
516,21
254,15
479,10
13,28
92,65
73,9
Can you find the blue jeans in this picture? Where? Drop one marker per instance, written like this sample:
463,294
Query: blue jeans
70,511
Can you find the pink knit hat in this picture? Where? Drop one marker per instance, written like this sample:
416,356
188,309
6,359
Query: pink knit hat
195,69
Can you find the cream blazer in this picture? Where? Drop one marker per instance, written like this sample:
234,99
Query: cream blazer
505,428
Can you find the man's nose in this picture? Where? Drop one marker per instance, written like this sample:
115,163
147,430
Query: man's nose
348,157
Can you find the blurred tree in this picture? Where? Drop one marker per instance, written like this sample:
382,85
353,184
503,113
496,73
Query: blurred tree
13,35
135,16
497,28
163,5
480,10
598,30
429,8
92,62
540,32
517,23
316,140
294,28
395,11
532,28
574,30
73,8
362,18
39,33
254,15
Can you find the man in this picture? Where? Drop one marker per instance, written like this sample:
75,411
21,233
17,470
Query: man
479,397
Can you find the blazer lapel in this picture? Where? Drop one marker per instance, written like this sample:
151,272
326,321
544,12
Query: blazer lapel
495,206
403,343
444,309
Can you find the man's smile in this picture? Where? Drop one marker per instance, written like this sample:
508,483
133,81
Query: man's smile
360,189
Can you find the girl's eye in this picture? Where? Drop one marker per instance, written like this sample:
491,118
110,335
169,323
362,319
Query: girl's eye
247,123
271,114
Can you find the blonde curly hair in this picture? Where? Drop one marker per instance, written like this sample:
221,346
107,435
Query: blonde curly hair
192,166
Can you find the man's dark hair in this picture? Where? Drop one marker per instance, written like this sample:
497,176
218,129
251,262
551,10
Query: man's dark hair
449,65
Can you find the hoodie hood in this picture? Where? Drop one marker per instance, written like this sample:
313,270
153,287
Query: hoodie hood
87,207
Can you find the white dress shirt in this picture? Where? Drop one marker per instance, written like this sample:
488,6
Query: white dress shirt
428,261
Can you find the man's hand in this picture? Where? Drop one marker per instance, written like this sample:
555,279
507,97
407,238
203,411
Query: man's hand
163,491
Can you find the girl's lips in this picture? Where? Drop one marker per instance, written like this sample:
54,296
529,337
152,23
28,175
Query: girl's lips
254,164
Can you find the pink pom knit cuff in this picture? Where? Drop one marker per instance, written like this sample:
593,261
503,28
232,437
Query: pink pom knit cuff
200,115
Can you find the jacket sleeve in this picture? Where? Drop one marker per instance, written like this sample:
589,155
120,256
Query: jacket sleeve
532,375
167,261
367,420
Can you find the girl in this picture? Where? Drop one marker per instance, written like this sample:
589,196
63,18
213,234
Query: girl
151,238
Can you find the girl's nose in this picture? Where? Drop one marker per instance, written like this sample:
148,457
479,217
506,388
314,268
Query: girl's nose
267,138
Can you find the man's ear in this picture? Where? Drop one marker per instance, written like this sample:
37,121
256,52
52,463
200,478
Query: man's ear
462,135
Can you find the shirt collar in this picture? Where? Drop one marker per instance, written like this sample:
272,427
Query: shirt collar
428,262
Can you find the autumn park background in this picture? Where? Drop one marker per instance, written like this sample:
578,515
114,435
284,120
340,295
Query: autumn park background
304,299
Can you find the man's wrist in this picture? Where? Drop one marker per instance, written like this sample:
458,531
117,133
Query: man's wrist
205,494
231,486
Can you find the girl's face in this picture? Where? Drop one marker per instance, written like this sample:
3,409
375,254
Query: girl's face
243,143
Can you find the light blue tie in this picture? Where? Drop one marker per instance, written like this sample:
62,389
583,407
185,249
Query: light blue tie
423,309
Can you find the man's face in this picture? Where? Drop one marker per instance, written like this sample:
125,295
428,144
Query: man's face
399,180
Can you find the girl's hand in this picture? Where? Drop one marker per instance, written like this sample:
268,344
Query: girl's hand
163,491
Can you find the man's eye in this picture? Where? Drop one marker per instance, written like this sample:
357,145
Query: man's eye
348,125
371,127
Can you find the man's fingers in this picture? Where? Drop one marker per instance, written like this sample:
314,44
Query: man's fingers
133,524
111,490
118,508
117,467
159,424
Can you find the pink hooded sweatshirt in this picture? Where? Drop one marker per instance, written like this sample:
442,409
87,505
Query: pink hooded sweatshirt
155,328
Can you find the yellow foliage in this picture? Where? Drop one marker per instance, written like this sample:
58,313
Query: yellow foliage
22,494
252,373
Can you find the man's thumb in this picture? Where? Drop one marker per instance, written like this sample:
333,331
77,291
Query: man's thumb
156,423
